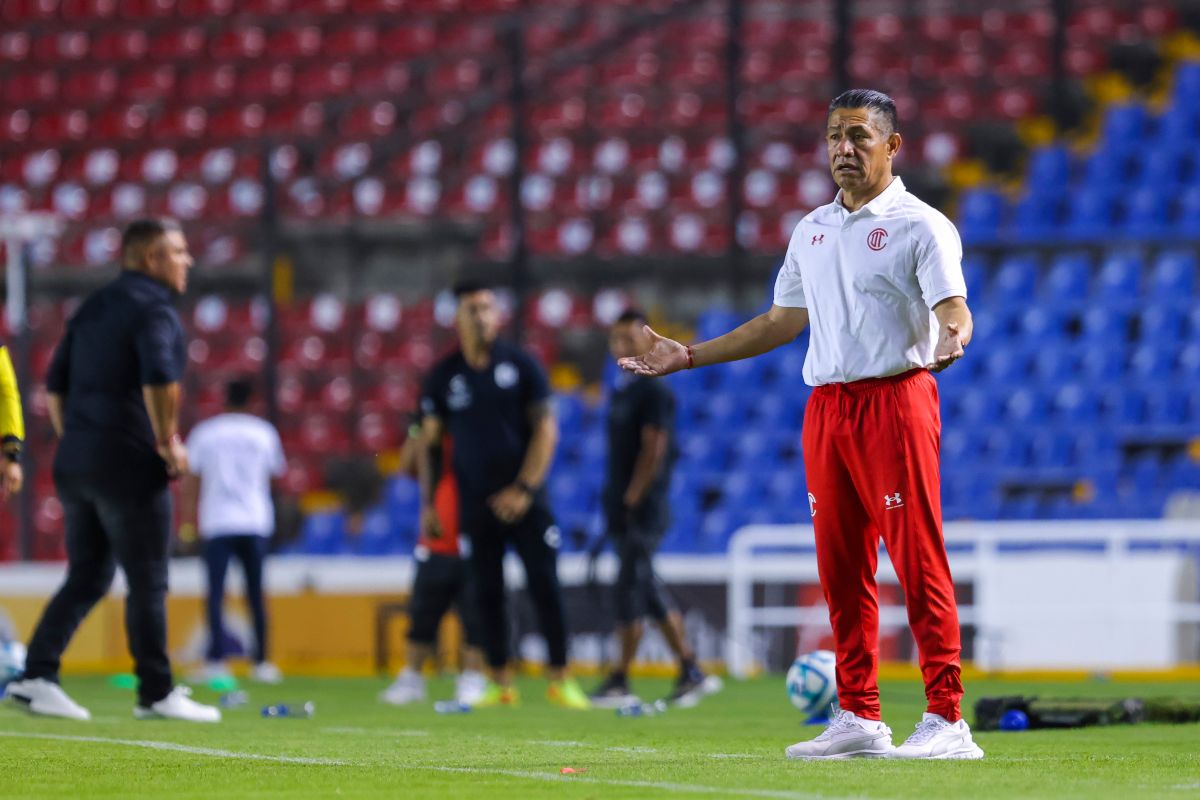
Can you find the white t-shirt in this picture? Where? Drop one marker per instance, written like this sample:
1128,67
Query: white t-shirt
870,280
235,456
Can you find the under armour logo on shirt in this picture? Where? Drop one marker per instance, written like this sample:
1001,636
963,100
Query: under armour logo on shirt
892,500
818,239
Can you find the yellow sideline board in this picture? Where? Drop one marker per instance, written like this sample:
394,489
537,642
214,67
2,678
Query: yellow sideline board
310,633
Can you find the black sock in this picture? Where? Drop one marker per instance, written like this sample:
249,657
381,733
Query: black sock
618,676
687,666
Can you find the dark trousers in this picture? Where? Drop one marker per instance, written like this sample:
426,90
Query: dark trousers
536,540
107,526
251,551
638,592
442,582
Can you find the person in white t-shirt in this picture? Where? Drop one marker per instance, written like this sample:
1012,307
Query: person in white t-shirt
878,275
234,456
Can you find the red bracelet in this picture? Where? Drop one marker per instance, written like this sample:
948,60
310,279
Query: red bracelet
691,357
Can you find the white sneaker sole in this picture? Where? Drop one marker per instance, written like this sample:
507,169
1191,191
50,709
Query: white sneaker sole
611,702
140,713
708,687
840,756
401,701
972,753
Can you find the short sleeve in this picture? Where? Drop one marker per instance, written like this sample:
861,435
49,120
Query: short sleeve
789,286
58,375
658,406
938,252
535,386
433,394
278,460
159,344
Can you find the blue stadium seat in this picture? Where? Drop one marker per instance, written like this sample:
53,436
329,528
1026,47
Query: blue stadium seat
1026,406
1103,361
593,450
1186,87
1006,366
738,376
569,492
787,486
1044,323
756,448
1162,322
570,411
1052,449
1069,278
1016,277
1188,365
1105,170
1147,212
1036,216
1097,452
725,410
1091,213
1049,168
323,533
1056,362
977,406
743,488
1124,124
1151,361
779,411
1165,404
402,497
1120,277
1173,276
1120,405
1076,404
1187,211
1007,448
379,536
1105,324
703,452
975,273
980,214
716,321
1164,168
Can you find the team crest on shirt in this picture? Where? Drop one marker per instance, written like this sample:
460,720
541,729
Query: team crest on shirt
459,396
506,375
877,239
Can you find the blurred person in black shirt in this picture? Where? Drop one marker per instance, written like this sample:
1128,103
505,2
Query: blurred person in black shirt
113,401
641,453
494,400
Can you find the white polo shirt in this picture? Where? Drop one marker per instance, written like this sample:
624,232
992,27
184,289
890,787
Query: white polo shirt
235,455
870,280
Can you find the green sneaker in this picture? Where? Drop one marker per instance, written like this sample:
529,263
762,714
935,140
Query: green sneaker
495,696
566,693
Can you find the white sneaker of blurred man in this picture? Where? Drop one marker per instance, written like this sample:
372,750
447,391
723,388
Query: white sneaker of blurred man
266,672
178,705
935,738
469,687
42,697
847,736
409,687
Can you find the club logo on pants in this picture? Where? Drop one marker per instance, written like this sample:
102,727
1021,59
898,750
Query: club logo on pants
553,537
812,504
891,501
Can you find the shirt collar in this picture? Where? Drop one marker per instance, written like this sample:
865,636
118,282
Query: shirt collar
879,204
160,290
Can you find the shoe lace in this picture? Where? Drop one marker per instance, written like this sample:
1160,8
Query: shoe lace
926,730
843,721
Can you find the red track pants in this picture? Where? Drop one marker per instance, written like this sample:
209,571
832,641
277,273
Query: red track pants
871,452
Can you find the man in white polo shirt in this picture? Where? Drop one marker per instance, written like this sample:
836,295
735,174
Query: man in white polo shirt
877,274
233,457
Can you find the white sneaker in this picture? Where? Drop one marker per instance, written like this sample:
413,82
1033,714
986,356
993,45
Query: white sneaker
938,739
40,696
409,687
178,705
211,671
266,672
847,736
469,687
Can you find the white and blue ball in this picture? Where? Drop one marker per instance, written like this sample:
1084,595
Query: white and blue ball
812,684
12,660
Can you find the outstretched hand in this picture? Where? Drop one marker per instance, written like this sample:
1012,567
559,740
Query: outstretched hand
949,348
664,357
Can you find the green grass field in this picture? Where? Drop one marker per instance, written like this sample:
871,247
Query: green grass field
730,746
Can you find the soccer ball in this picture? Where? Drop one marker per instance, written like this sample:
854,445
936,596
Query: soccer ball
12,661
812,684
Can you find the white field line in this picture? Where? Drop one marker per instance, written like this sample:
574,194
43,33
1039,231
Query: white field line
690,788
553,743
178,748
376,731
733,755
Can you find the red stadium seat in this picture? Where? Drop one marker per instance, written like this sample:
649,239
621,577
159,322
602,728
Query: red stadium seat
120,45
62,46
208,84
243,42
324,80
178,44
376,119
148,85
30,88
407,40
352,42
145,10
305,119
24,12
238,123
128,123
90,86
190,122
60,127
265,83
387,78
295,43
14,46
206,10
77,12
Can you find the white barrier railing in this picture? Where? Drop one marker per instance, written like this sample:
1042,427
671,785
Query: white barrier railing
1046,594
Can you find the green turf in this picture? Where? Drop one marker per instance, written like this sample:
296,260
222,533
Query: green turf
500,754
